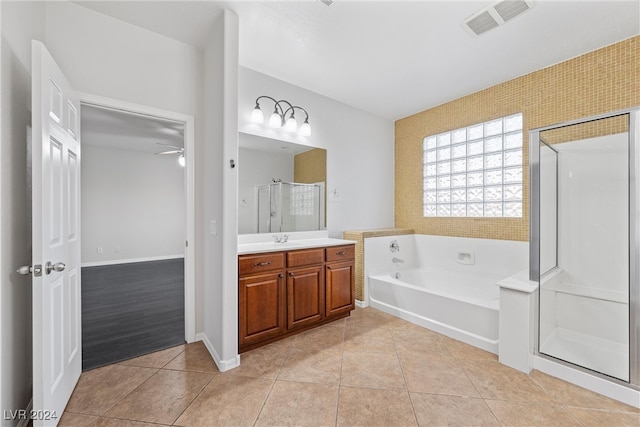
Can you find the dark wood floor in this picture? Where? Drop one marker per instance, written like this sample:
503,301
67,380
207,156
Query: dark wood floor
131,309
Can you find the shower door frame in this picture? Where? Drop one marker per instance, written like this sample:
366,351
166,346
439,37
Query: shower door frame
634,235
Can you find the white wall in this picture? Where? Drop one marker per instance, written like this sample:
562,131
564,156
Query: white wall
230,191
360,149
258,168
217,194
20,23
493,259
104,56
132,205
593,212
111,58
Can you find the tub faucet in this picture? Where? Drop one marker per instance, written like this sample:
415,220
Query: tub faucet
394,246
398,260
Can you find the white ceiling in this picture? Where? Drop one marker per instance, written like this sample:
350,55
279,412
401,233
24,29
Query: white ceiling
124,131
391,58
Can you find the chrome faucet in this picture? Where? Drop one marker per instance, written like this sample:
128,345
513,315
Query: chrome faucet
398,260
394,246
281,239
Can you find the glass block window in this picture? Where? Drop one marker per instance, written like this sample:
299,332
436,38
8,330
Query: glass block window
301,200
475,171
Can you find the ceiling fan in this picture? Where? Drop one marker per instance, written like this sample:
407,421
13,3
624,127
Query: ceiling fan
172,149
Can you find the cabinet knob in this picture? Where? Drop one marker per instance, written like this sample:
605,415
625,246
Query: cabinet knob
281,275
262,264
328,267
291,273
341,253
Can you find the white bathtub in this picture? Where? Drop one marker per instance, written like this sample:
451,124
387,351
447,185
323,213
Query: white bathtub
446,284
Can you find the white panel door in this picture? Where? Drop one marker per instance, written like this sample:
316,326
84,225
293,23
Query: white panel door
57,360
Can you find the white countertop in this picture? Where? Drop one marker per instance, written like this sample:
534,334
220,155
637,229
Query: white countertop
261,247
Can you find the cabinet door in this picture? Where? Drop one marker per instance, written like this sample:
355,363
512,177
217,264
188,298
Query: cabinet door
340,288
305,296
261,307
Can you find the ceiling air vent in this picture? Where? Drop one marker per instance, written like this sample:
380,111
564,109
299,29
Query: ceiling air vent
481,23
495,15
509,9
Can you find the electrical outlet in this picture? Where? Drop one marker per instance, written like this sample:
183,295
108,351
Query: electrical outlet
99,249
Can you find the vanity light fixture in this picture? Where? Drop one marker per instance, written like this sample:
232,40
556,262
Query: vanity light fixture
278,118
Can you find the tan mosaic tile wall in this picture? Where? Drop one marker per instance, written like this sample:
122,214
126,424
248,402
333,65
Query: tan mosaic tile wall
359,236
311,167
604,80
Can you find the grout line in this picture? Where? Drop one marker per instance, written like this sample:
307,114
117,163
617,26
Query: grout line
125,419
578,420
134,389
491,410
265,402
286,358
195,397
404,378
344,333
184,350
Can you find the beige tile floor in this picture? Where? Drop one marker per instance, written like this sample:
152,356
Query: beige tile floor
371,369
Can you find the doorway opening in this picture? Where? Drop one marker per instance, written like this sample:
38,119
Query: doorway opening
137,223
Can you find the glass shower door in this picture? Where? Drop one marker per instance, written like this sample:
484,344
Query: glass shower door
584,244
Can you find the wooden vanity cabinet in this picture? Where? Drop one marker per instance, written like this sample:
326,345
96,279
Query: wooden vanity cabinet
261,297
340,280
284,293
305,287
305,296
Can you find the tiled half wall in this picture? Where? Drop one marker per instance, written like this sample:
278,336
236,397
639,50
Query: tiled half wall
359,236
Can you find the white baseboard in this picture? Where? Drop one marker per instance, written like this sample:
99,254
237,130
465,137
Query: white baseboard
361,304
590,382
223,365
130,260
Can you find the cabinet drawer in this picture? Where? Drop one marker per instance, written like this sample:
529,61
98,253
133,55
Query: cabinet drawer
249,264
305,257
339,253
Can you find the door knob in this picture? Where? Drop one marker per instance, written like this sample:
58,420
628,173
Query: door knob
25,270
58,266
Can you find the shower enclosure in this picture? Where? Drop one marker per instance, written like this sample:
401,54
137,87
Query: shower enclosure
584,249
289,206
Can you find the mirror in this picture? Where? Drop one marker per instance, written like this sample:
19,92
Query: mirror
281,186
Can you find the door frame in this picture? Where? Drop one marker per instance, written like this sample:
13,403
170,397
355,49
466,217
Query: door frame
189,171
